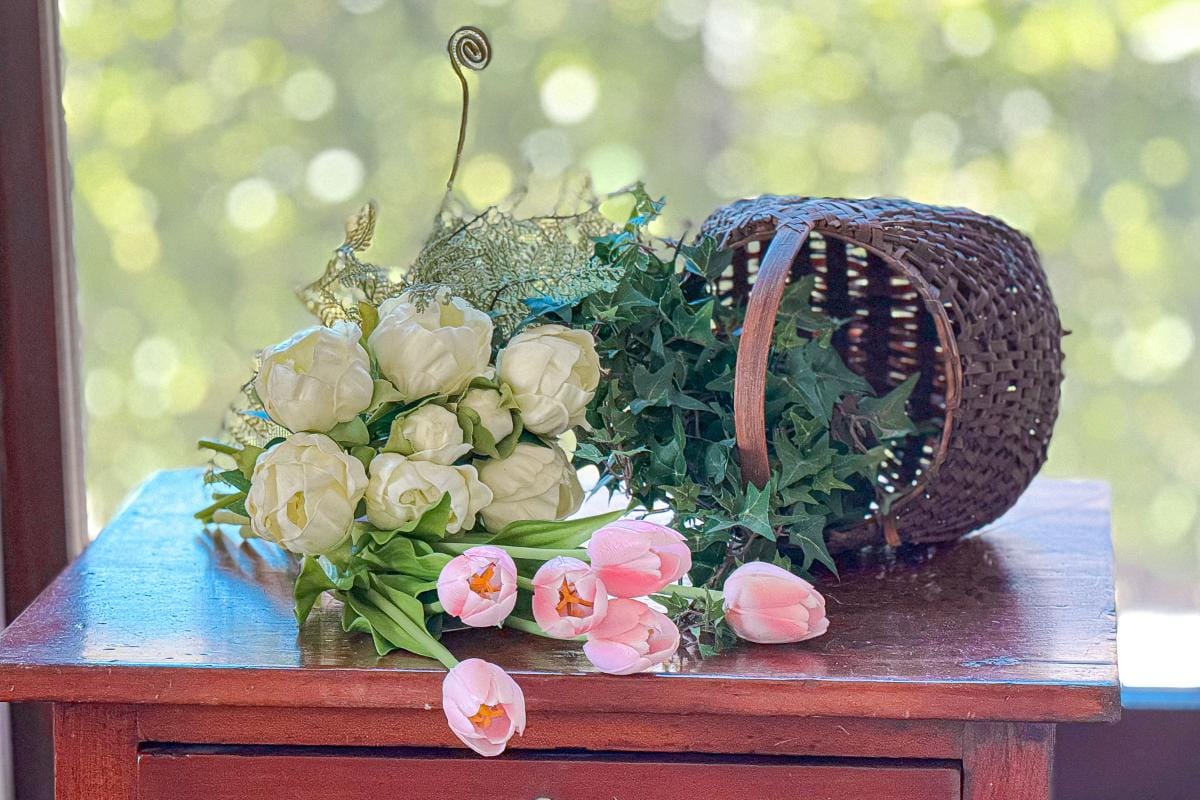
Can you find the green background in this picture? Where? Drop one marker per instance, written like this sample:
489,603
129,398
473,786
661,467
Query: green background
217,146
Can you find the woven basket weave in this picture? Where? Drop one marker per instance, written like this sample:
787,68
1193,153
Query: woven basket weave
952,294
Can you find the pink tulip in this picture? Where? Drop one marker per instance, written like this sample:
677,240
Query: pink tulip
636,558
483,705
769,605
479,586
568,598
632,637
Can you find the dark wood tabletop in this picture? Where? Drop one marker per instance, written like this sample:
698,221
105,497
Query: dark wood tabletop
1013,623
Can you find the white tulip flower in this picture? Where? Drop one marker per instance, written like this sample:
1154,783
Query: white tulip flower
434,350
317,379
535,482
489,417
553,371
401,490
303,494
431,433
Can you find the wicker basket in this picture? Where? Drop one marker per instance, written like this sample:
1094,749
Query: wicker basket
950,293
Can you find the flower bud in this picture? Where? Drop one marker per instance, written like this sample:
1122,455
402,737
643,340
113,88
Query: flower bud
318,378
431,349
303,494
401,490
553,371
632,637
636,558
431,433
535,482
767,604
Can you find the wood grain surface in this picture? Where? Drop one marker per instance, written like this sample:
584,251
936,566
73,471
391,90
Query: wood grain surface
239,774
1013,624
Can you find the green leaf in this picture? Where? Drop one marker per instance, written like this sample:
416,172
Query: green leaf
807,532
310,584
653,388
235,478
405,556
349,434
886,415
756,513
694,325
554,535
430,526
387,633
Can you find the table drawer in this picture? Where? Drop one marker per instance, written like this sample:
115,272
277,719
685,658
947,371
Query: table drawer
194,773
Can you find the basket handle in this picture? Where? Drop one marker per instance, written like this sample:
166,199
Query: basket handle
754,350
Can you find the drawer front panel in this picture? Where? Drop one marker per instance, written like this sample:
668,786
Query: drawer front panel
252,774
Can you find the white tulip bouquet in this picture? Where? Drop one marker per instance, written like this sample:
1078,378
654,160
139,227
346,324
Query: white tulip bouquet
409,453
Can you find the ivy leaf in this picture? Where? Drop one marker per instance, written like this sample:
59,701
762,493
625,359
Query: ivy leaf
886,415
807,531
756,513
653,388
695,324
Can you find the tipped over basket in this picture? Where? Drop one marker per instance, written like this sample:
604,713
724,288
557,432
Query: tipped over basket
956,296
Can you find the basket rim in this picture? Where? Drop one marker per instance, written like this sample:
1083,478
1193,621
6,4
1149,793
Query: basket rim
951,362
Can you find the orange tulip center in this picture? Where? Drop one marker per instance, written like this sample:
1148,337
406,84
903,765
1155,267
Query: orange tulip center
570,604
483,583
484,716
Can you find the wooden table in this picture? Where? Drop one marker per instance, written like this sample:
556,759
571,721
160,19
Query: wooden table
177,673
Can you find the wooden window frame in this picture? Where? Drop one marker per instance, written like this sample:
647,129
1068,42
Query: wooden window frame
42,509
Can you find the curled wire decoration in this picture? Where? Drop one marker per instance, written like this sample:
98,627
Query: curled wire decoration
468,47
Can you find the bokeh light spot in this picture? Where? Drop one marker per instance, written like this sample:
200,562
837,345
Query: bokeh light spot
334,175
569,95
1164,162
309,94
251,204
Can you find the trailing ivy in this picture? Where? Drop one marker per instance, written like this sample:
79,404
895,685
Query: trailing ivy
662,420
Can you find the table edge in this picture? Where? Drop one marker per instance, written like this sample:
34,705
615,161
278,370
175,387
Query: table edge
658,693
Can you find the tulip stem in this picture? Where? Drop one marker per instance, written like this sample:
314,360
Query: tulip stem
524,553
418,632
691,592
205,514
529,626
525,583
434,608
219,447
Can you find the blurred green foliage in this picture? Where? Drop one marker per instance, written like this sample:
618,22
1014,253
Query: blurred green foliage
217,146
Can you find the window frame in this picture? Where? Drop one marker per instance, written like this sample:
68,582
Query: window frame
42,506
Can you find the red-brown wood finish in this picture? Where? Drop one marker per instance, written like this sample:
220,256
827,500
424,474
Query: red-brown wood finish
1005,761
95,752
192,775
174,650
1014,624
625,732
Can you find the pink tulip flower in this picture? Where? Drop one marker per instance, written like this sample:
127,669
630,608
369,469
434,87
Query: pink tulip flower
636,558
483,705
479,586
568,598
632,637
769,605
